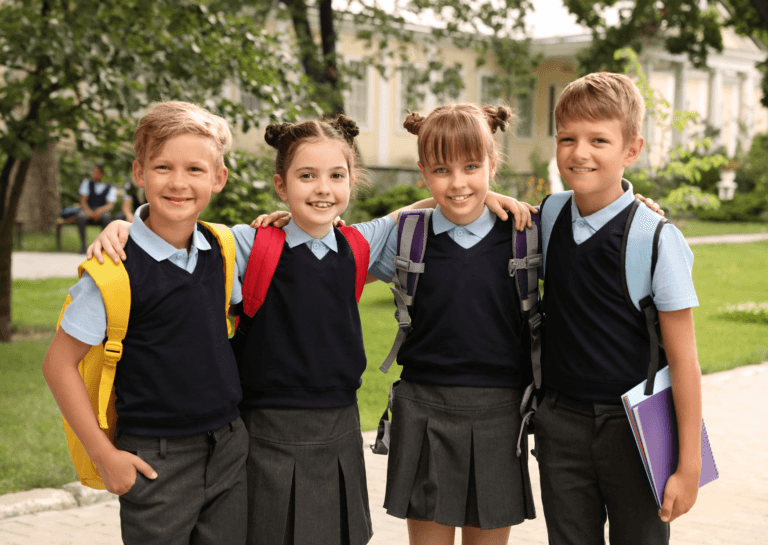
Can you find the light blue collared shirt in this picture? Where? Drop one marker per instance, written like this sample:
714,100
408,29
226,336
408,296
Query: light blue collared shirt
99,188
465,236
672,282
86,318
376,232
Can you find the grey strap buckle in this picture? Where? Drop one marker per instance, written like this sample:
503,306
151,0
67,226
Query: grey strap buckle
406,265
403,322
527,262
534,321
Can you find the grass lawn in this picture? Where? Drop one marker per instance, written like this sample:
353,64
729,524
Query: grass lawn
33,447
32,241
698,228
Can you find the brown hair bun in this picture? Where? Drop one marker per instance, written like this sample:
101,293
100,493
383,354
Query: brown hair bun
275,132
413,122
498,118
347,127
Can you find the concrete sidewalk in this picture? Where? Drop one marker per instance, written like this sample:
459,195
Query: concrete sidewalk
731,510
50,264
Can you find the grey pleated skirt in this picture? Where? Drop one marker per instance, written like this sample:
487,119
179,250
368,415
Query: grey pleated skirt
452,457
306,477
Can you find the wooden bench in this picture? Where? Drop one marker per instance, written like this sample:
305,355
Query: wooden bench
61,222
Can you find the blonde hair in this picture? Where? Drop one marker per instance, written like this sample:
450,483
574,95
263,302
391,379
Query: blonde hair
603,95
169,119
457,131
287,137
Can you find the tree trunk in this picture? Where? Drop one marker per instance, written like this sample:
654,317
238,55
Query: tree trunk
328,36
11,205
40,198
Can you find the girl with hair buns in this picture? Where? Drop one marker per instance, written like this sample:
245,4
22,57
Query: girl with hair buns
456,410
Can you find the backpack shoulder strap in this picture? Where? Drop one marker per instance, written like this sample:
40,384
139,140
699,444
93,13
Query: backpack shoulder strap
412,231
362,252
112,280
639,249
226,242
549,211
265,254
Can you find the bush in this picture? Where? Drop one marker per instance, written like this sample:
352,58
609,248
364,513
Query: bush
753,172
688,197
743,207
248,191
372,204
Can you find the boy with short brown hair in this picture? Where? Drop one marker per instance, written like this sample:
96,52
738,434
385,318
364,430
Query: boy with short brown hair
596,348
178,461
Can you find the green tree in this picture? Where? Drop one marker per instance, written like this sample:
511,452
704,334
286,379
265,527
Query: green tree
689,27
83,69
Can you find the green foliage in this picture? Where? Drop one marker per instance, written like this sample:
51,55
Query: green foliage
688,197
375,204
683,26
488,27
248,190
683,164
753,171
743,207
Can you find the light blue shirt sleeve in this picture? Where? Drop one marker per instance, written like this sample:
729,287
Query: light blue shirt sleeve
83,191
377,233
383,265
112,194
85,318
672,281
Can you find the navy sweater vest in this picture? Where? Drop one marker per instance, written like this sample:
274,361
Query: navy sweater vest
96,200
178,375
305,346
466,315
595,347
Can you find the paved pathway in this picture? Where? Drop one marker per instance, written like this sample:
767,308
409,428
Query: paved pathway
732,510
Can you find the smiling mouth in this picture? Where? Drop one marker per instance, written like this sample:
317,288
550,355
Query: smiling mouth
321,205
582,170
177,200
460,198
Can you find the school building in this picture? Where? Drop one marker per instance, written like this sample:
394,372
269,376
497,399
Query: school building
726,94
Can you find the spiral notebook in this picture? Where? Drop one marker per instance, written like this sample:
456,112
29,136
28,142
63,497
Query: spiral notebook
654,426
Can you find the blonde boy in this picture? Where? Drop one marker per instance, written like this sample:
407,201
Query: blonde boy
178,462
596,348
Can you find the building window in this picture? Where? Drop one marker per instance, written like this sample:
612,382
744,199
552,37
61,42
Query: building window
356,99
524,121
412,92
551,109
488,94
250,102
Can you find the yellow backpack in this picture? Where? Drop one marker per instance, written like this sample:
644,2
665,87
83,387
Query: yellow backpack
100,363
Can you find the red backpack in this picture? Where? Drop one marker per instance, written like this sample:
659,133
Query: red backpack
265,255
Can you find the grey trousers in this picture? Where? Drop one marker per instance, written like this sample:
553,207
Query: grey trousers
591,470
199,496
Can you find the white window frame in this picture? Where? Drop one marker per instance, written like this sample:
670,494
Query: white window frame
480,87
399,107
532,113
368,78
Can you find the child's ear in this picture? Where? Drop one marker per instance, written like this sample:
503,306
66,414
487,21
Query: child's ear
423,174
279,184
633,151
138,173
493,164
220,180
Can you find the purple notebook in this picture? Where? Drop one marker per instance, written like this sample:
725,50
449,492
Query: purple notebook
657,428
